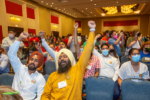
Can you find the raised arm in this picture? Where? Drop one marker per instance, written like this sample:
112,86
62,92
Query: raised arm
46,46
12,53
118,40
77,45
83,61
4,64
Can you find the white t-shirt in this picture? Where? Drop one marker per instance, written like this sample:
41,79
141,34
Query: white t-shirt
126,71
136,45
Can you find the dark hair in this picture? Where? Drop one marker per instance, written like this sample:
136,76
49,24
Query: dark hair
115,54
111,33
107,31
97,46
134,32
131,51
104,44
63,37
99,37
12,29
63,42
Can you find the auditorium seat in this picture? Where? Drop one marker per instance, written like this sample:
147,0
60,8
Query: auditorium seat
124,59
6,79
46,77
50,67
148,65
23,62
99,89
135,90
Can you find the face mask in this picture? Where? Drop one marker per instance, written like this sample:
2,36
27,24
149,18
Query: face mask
136,58
111,50
147,49
11,36
115,37
81,49
30,54
105,52
33,35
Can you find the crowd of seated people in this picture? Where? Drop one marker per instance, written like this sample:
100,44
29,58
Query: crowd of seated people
76,57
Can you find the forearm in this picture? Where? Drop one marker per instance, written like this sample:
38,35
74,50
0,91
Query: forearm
119,81
122,42
69,42
131,44
117,41
97,72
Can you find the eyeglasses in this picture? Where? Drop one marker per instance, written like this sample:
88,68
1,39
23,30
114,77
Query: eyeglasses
136,54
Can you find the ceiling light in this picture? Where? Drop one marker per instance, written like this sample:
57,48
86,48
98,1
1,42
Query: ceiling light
127,8
52,3
42,1
59,9
111,10
94,4
95,15
85,8
138,11
64,8
46,3
117,2
91,12
103,14
91,0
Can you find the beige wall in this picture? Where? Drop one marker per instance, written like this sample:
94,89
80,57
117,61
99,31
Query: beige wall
143,24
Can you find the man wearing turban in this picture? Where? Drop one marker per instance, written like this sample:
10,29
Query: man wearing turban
66,83
27,81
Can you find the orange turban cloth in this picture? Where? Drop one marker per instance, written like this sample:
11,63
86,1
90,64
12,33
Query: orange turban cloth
40,57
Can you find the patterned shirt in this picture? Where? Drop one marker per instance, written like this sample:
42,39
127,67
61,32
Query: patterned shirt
92,65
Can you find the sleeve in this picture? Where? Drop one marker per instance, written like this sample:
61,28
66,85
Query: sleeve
46,95
40,88
121,72
48,49
12,55
98,64
146,73
5,44
111,41
4,63
21,44
116,65
128,41
83,61
96,53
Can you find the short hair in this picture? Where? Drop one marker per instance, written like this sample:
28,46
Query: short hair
111,32
131,51
134,32
12,29
64,43
97,46
52,44
143,45
104,44
5,89
107,31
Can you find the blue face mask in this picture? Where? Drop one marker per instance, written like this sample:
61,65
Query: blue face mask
136,58
81,49
105,52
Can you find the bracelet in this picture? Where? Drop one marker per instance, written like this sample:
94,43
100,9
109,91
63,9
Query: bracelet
92,29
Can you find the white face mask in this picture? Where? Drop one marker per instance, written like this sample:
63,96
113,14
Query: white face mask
11,36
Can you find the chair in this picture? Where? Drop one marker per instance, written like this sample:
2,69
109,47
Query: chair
6,79
124,59
50,67
135,90
46,77
99,89
122,54
148,65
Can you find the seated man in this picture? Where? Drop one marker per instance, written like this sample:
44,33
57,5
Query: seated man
109,66
133,68
27,81
66,83
4,65
145,53
51,52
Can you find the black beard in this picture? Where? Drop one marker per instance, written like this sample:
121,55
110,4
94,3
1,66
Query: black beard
31,68
64,68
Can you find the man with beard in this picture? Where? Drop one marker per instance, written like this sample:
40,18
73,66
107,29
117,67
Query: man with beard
66,83
27,81
51,52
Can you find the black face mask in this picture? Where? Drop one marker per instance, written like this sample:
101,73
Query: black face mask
147,49
111,50
99,38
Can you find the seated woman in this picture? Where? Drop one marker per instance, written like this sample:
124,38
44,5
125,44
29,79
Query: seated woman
145,53
7,93
113,53
133,68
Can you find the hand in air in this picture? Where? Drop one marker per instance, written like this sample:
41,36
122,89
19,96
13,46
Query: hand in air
23,35
91,24
76,25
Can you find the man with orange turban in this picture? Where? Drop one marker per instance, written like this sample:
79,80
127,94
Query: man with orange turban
27,81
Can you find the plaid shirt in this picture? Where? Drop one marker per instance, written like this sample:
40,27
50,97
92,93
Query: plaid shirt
94,63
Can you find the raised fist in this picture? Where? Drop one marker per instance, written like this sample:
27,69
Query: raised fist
41,34
91,24
76,25
23,35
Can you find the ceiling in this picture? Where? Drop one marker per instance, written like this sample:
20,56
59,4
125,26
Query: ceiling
92,8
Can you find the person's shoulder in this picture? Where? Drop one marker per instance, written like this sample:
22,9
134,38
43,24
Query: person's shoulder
5,56
125,64
143,65
6,38
95,57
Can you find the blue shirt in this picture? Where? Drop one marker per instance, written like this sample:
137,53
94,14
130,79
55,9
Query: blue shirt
4,66
144,55
117,47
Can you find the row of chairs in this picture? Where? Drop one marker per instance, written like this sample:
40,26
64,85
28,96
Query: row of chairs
102,89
